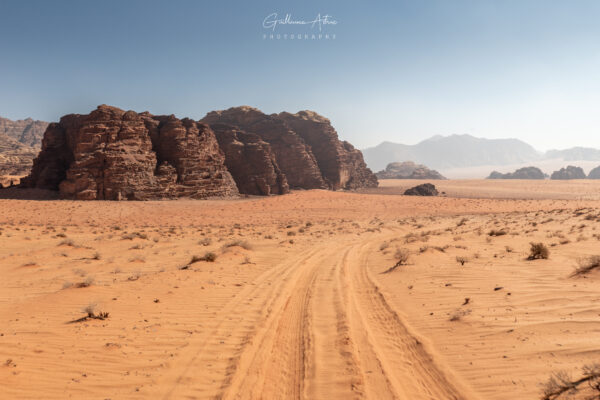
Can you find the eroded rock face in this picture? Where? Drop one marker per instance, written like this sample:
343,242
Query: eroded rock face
305,145
570,172
294,157
341,165
15,158
111,154
250,161
26,131
408,170
426,189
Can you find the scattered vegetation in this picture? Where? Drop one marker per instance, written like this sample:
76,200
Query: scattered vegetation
209,256
499,232
586,265
401,257
90,311
561,383
538,251
461,260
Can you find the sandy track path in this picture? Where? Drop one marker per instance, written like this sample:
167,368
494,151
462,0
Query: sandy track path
315,326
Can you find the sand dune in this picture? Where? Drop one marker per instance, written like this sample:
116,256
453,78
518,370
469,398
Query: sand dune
297,303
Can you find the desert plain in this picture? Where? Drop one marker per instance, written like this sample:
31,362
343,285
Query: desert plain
296,296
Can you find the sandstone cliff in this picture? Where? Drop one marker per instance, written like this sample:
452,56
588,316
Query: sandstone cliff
111,154
250,161
305,145
570,172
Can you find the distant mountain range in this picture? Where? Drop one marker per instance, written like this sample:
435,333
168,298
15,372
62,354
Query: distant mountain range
463,151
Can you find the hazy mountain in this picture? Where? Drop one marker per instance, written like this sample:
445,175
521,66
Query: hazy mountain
26,131
455,151
575,154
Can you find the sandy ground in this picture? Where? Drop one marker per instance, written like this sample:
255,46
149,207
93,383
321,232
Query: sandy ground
298,303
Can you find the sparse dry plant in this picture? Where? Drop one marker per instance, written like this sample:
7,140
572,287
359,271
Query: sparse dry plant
461,260
586,265
401,256
538,251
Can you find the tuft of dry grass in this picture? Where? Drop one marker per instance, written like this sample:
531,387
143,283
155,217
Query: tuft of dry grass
402,255
587,265
538,251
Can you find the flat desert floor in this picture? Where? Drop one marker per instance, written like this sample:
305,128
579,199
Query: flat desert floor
295,296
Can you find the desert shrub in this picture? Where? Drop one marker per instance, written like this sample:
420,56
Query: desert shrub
499,232
401,255
240,243
384,246
209,256
461,260
587,264
538,251
561,383
205,242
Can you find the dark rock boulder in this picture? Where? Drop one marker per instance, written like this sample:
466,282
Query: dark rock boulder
426,189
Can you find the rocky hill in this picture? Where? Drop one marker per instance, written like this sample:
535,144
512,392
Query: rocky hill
112,154
569,172
594,173
455,151
306,147
408,170
521,173
20,141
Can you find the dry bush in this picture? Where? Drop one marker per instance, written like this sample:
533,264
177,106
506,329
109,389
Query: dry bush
499,232
586,265
209,256
538,251
401,257
561,383
205,242
240,243
461,260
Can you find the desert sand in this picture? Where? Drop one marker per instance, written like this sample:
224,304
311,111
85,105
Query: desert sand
298,303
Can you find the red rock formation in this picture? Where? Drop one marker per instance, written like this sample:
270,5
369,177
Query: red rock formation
25,131
294,157
111,154
341,164
250,161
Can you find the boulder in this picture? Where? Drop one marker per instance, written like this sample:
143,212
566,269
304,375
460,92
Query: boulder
426,189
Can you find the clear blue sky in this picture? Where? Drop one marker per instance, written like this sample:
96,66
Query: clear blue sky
400,71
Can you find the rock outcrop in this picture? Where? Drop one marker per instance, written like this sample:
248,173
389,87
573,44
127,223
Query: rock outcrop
521,173
570,172
306,147
408,170
25,131
16,158
341,165
250,161
426,189
111,154
594,174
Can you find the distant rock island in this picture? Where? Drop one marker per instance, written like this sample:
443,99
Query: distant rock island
426,189
521,173
408,170
112,154
570,172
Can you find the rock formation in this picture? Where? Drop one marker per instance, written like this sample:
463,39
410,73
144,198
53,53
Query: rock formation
15,158
594,174
111,154
341,165
408,170
521,173
250,161
426,189
306,147
25,131
570,172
